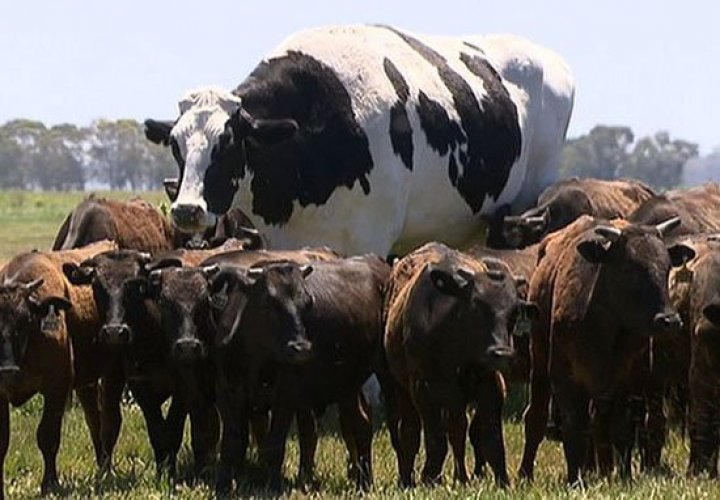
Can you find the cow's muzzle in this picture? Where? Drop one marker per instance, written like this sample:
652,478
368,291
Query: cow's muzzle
667,322
9,374
115,333
499,357
188,218
188,350
299,351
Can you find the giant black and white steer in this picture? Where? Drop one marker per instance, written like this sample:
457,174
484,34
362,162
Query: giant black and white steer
372,139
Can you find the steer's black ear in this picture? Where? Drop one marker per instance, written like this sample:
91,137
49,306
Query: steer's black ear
595,251
78,275
158,131
680,254
712,313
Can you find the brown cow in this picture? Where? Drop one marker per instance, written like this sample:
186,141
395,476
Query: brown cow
602,290
138,225
698,209
46,324
300,338
188,336
562,203
448,322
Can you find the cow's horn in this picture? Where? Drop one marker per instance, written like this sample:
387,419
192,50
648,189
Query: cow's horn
665,227
608,232
34,285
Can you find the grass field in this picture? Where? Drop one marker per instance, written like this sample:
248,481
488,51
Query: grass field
30,220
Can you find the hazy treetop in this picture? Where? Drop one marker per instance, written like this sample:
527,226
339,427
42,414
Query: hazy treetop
646,64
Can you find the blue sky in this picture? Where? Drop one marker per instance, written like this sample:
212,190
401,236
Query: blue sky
648,64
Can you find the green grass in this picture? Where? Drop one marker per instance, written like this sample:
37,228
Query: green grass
30,220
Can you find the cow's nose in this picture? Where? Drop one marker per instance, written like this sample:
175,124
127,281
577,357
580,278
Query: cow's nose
9,374
668,322
499,357
115,333
299,351
187,349
187,216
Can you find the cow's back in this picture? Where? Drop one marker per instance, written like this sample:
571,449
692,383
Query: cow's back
134,224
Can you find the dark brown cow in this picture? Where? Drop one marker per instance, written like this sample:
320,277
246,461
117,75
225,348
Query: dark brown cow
522,264
138,225
602,290
183,294
449,317
562,203
131,325
299,338
692,356
698,209
45,324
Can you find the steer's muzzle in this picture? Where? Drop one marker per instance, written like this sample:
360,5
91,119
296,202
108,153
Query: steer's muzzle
115,333
188,218
188,350
299,351
9,374
667,322
499,357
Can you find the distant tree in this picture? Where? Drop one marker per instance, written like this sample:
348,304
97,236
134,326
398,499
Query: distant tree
658,160
598,154
58,159
705,169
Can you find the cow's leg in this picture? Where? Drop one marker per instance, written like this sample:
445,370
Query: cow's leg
573,401
273,451
601,434
536,414
110,415
408,437
174,424
624,431
307,437
655,431
89,399
4,440
436,445
234,438
475,435
703,431
356,427
48,435
259,426
204,432
456,424
490,397
150,405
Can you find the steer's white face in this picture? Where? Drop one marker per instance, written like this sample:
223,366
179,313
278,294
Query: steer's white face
203,115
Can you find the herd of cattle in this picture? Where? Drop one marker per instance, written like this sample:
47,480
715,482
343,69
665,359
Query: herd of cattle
611,298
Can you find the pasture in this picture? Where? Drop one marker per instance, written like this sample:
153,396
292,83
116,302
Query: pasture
30,220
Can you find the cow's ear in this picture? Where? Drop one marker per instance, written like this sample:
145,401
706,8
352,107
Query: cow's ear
453,282
264,132
521,285
595,251
158,131
79,275
172,187
138,287
712,313
680,254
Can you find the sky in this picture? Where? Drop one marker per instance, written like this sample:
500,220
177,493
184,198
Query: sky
652,65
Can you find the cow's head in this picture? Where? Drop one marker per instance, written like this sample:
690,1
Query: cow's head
633,279
265,305
483,306
119,287
22,316
523,230
182,296
211,141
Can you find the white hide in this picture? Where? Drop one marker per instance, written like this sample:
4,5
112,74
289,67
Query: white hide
403,209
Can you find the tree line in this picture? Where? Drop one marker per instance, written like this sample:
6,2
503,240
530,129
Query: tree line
116,155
